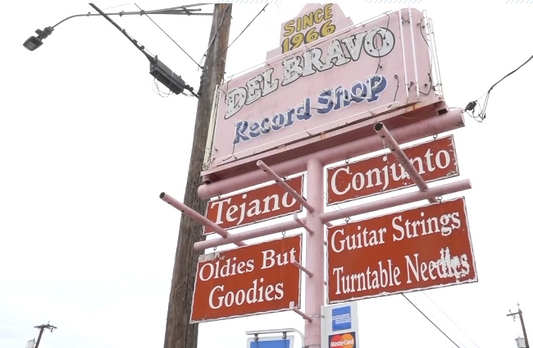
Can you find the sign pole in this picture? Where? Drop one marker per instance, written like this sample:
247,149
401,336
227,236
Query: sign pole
179,333
314,249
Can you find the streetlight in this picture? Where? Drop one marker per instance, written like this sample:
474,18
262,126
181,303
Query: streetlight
179,333
34,42
158,69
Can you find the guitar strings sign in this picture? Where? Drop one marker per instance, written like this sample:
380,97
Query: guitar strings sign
415,249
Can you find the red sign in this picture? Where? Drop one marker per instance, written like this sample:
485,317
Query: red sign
248,280
415,249
261,204
434,160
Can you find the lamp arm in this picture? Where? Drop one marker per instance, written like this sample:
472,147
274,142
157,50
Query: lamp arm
181,10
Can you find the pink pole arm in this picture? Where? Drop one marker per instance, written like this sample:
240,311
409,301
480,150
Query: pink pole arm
341,214
302,314
200,218
285,186
303,224
398,200
395,149
453,119
237,237
297,264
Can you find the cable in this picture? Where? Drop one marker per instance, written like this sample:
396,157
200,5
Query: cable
450,319
439,322
438,328
483,112
257,15
150,18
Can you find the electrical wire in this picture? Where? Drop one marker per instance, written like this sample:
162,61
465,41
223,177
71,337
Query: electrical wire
440,323
450,319
174,41
253,19
480,117
431,321
216,34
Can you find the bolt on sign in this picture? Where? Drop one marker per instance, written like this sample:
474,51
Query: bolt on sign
263,203
322,92
434,161
249,280
416,249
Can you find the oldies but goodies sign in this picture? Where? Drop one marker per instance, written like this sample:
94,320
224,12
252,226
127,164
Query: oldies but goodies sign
248,280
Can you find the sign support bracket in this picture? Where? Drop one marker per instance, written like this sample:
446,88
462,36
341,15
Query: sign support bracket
303,224
395,149
195,216
363,208
302,314
289,190
295,263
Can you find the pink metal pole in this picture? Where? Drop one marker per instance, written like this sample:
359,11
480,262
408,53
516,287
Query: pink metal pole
406,198
194,215
314,253
434,125
302,314
396,150
285,186
302,224
302,268
260,232
398,200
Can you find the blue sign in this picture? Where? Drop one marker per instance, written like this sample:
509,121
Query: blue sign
341,318
271,343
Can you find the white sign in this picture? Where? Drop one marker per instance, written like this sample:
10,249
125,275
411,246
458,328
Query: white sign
340,326
258,341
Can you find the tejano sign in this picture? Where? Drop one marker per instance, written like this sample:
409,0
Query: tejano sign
247,280
434,160
263,203
415,249
343,79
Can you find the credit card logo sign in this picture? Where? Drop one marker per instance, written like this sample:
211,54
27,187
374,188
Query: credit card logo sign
345,340
341,318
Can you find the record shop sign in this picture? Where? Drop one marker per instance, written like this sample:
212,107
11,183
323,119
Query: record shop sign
354,74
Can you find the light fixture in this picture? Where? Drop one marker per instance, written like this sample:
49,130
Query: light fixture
158,70
35,42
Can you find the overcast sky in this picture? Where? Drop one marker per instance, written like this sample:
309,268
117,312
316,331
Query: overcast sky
87,144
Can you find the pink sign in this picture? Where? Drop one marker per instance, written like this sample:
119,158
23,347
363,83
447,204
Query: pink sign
334,81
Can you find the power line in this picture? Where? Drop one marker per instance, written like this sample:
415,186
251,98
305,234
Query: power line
431,321
483,112
188,55
436,318
215,35
453,322
253,19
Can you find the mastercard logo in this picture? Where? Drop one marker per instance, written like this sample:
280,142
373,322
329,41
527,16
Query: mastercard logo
346,340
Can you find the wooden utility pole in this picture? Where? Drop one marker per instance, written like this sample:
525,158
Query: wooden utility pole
519,313
179,333
41,329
